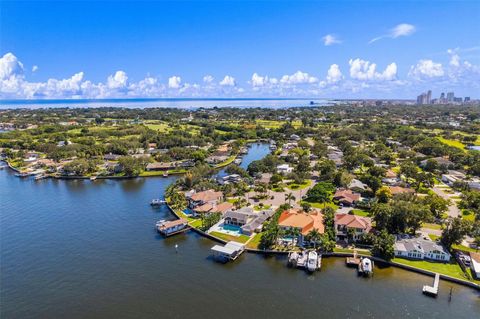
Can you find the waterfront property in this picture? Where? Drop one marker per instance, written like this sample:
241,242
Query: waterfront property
301,223
351,227
418,248
248,220
475,264
201,198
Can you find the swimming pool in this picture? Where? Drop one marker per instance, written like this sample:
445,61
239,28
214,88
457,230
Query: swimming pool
231,230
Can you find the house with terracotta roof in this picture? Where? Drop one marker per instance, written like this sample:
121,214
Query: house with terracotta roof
202,198
344,222
391,178
303,222
346,197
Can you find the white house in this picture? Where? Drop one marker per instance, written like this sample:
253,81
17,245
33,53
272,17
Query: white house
284,169
418,248
475,264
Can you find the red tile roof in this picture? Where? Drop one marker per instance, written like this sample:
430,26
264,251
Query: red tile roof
353,221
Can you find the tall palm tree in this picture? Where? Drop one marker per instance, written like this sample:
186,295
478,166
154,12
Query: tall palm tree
289,197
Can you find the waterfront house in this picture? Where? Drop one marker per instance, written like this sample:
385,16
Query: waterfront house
31,157
247,219
284,169
201,198
346,197
303,222
230,179
353,225
212,207
418,248
159,166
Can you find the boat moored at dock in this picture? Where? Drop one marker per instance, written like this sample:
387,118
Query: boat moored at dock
365,267
309,260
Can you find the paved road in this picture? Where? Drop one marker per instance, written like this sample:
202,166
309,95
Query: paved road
453,210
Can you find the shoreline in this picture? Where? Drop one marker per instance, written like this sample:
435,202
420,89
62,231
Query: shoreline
339,255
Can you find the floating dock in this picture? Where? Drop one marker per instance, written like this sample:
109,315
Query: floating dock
432,290
353,261
231,251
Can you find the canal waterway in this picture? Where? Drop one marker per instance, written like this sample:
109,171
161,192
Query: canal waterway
83,249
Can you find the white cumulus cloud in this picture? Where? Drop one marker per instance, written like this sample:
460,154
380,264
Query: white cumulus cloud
334,74
208,78
228,81
426,69
174,82
298,77
34,68
118,80
365,70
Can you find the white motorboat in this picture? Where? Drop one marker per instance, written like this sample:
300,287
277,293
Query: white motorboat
365,267
157,202
312,261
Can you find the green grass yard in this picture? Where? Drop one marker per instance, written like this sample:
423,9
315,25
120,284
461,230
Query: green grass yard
450,269
240,239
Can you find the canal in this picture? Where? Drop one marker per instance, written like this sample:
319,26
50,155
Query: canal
82,249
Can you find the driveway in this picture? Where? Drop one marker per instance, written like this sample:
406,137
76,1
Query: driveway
440,190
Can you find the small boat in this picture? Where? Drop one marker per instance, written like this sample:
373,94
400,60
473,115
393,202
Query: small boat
160,223
365,267
312,261
165,174
40,176
237,161
92,178
22,174
157,202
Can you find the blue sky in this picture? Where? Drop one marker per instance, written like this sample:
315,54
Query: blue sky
213,49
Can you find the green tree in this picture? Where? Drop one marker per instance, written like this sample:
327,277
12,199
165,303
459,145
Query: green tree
383,245
320,193
383,194
454,231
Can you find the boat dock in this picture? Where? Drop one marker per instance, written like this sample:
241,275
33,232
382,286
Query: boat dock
353,261
305,260
170,228
231,251
432,290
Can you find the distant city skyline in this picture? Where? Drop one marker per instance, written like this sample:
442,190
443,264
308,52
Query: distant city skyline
161,49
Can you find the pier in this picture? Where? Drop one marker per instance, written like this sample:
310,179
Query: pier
432,290
305,260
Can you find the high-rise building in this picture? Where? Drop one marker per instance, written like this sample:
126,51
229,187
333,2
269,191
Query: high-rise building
450,96
429,96
442,97
467,99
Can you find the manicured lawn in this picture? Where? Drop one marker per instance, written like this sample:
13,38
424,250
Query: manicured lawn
453,143
304,185
433,237
195,222
240,239
255,241
321,205
350,251
360,212
227,162
450,269
258,207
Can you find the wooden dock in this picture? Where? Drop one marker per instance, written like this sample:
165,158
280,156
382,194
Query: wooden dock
432,290
353,261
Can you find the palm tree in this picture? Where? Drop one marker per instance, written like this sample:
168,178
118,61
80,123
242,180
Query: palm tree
314,236
289,197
